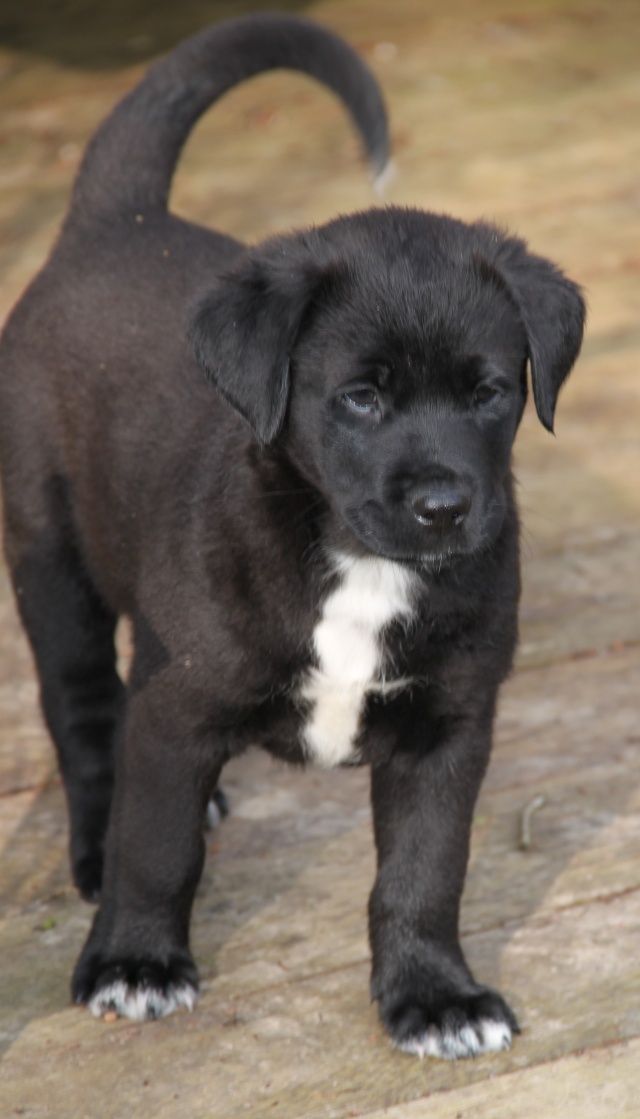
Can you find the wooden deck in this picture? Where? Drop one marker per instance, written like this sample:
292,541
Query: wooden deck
526,113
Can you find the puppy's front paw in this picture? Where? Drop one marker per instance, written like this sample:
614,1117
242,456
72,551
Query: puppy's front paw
453,1026
141,989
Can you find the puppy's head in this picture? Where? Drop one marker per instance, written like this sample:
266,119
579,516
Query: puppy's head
387,354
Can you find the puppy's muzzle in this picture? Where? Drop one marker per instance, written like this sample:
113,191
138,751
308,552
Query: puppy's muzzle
440,507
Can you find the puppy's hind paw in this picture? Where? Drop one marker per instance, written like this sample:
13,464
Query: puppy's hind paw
87,875
142,990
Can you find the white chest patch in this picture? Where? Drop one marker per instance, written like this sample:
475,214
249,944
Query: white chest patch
347,643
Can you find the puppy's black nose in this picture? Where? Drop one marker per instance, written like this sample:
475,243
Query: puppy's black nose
441,506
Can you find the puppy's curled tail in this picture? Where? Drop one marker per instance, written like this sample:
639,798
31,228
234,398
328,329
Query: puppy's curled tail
129,163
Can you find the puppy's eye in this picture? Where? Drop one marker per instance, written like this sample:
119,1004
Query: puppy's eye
485,394
362,400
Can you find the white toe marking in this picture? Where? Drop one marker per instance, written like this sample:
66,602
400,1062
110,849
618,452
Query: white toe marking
348,647
495,1035
487,1036
141,1003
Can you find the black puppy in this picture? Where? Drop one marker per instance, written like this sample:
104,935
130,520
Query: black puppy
320,557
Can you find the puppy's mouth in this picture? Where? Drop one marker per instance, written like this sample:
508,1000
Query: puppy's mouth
435,561
430,556
397,538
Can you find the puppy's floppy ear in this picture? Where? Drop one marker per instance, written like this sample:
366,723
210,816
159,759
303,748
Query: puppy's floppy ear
553,315
244,331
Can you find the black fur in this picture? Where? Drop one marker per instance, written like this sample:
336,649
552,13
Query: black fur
370,378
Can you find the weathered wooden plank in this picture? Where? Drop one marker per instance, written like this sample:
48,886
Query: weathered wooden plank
314,1048
597,1084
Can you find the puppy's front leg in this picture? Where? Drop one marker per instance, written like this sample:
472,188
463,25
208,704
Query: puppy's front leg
137,959
423,800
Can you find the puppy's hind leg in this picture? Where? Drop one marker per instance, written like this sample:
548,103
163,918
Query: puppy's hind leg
71,632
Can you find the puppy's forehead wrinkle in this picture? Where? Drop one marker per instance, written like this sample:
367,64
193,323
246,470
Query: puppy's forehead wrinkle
422,340
421,268
410,244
